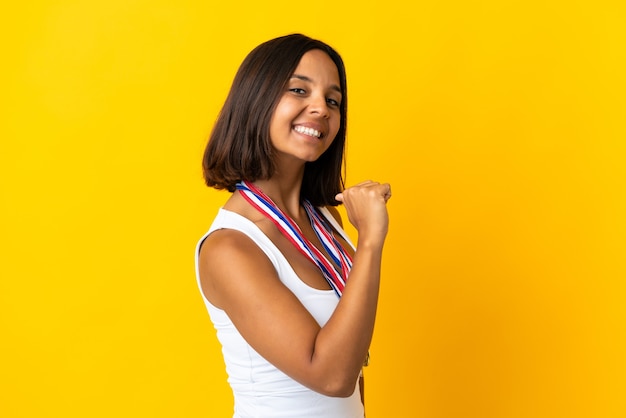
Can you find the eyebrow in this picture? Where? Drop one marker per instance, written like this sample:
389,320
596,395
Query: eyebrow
309,80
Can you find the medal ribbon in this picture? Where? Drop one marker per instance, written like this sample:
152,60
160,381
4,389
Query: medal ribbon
293,233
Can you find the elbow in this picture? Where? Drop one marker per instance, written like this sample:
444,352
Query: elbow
344,393
340,388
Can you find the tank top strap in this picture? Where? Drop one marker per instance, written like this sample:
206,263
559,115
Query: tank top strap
226,219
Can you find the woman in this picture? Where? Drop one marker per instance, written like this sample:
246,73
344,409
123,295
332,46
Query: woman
292,302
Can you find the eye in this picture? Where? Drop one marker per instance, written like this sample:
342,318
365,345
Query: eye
332,102
297,90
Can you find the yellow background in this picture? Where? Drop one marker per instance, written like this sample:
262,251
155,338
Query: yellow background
499,124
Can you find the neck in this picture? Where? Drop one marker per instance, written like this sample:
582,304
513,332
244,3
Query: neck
284,189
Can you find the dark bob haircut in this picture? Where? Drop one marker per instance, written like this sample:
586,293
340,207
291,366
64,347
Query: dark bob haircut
240,148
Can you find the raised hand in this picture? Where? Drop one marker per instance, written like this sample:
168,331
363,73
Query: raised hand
367,210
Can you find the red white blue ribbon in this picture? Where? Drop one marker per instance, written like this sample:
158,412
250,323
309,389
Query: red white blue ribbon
335,277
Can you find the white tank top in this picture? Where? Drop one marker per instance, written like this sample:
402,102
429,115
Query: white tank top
261,390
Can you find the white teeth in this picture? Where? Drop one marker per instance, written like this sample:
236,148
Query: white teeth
308,131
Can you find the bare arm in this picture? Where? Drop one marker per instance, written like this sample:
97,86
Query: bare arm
237,277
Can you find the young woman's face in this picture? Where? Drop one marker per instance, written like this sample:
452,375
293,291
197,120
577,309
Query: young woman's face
307,117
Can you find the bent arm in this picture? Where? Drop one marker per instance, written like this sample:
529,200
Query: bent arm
238,277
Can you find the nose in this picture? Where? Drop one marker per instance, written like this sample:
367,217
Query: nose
318,105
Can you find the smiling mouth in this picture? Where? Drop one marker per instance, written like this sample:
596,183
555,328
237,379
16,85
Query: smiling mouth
308,131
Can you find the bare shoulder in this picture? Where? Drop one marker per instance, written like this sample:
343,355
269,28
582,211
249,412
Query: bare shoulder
333,211
226,254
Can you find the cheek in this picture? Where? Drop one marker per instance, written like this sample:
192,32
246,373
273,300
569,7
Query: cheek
336,125
276,122
281,117
334,132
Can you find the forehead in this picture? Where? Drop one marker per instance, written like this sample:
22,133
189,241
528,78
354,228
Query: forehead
319,67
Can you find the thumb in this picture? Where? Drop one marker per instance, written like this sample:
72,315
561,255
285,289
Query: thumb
339,197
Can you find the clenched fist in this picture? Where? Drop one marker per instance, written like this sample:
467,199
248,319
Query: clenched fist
367,210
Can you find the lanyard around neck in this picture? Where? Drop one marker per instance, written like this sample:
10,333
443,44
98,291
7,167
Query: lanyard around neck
291,230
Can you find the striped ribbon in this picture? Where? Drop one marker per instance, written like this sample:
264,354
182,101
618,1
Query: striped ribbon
291,230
